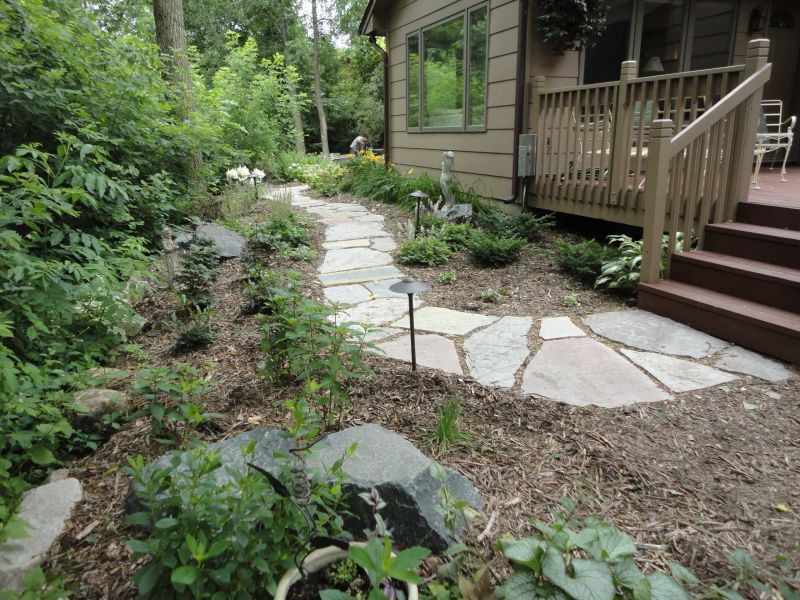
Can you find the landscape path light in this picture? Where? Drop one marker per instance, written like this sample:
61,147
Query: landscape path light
420,196
409,285
256,179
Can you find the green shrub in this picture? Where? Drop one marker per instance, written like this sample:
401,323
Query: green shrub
196,333
264,288
583,259
430,251
301,253
495,250
458,237
280,233
491,295
447,278
199,269
526,225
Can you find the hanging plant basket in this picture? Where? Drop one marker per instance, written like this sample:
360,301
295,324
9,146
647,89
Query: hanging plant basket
571,24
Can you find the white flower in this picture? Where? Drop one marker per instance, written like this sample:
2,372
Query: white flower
231,175
243,173
258,173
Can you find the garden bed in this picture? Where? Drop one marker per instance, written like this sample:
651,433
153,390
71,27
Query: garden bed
708,471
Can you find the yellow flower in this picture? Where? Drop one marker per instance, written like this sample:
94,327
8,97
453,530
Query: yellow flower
410,172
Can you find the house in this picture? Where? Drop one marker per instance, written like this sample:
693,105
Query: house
653,126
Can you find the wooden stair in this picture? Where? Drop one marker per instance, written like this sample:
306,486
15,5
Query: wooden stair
744,286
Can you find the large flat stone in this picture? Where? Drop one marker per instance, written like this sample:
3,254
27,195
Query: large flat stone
353,230
583,371
347,294
229,243
384,244
381,289
46,510
739,360
433,351
362,243
360,275
369,218
382,460
348,259
677,374
495,354
445,320
554,328
646,331
377,312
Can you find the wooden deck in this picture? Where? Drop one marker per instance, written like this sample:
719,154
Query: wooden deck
775,191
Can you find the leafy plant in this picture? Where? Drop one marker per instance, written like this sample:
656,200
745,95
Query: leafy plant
430,251
197,333
495,251
447,433
458,236
199,268
280,233
622,272
35,586
571,300
301,253
447,278
526,225
583,259
491,295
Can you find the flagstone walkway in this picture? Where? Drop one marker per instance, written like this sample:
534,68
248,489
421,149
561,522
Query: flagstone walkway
633,356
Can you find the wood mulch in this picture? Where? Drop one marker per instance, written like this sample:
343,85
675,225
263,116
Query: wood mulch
688,478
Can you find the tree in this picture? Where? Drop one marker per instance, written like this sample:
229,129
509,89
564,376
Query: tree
323,124
299,142
171,39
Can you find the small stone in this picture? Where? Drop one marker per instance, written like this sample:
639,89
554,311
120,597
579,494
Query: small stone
45,510
646,331
364,242
433,351
748,406
384,244
559,327
739,360
360,275
100,401
445,320
677,374
134,326
774,395
583,371
347,294
495,354
348,259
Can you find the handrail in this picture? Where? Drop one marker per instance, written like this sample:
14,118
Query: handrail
720,110
579,88
688,74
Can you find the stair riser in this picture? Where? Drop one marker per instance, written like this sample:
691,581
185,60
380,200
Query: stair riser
740,284
781,217
767,341
776,253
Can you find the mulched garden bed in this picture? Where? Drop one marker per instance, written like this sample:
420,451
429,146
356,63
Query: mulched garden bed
686,478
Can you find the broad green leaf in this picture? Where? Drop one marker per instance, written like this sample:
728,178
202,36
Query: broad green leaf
185,575
410,559
627,574
41,455
166,523
681,573
146,578
664,587
334,595
591,579
527,552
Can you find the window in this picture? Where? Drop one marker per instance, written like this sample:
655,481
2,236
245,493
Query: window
446,73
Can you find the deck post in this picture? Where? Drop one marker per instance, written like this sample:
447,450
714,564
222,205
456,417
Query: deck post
620,132
655,198
746,127
536,101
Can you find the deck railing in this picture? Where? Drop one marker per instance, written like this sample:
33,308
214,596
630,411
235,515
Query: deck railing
594,140
700,173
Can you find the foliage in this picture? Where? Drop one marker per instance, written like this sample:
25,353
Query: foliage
199,268
281,233
622,272
571,300
491,295
264,289
207,540
447,278
458,237
369,178
496,250
301,253
581,559
447,433
197,333
35,586
583,259
526,225
429,251
571,24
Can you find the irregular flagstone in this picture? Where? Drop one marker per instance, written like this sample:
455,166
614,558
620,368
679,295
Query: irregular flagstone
347,294
362,243
377,312
445,320
45,510
360,275
559,327
496,353
677,374
583,371
646,331
739,360
353,230
369,217
384,244
348,259
433,351
381,289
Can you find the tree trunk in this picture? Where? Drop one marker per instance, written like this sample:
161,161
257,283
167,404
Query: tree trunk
299,143
323,123
171,39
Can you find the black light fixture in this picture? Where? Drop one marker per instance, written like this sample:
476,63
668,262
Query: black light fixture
255,179
409,285
420,196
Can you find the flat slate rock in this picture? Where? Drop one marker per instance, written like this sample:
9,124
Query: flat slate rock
369,218
495,354
677,374
362,243
45,509
229,243
447,321
582,371
348,259
377,312
382,459
384,244
347,294
353,230
646,331
739,360
554,328
381,289
433,351
360,275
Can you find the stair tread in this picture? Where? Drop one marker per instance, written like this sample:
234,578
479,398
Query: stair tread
787,236
746,310
752,267
778,203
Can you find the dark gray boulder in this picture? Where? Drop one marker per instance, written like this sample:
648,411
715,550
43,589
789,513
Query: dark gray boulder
229,243
458,213
383,460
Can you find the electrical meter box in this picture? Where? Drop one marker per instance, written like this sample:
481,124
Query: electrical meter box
526,161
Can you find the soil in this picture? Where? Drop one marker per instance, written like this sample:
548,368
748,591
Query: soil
310,587
689,479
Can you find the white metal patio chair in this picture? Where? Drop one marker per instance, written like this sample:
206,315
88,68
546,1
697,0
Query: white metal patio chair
774,134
